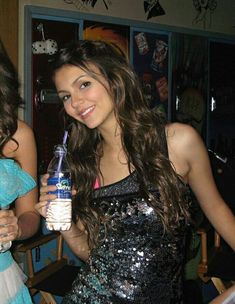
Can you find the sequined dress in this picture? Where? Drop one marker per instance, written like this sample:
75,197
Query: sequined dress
134,262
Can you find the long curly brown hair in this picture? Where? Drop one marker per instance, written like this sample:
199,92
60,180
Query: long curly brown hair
10,99
143,137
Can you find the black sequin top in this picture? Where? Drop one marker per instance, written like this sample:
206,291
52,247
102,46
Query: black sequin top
135,261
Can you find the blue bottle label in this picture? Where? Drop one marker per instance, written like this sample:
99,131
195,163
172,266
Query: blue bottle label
63,186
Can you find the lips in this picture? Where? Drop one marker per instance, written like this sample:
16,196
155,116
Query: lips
86,112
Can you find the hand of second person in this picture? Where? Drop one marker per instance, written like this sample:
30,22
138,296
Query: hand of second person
9,228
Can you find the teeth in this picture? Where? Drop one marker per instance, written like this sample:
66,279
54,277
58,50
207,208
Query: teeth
87,111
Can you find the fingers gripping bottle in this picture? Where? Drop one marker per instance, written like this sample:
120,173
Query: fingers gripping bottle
4,246
59,211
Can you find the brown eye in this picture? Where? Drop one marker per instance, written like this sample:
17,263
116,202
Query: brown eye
64,98
85,84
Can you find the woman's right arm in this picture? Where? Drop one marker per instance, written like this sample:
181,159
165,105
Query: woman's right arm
76,236
228,296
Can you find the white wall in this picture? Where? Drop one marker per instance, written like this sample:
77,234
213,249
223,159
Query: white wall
180,13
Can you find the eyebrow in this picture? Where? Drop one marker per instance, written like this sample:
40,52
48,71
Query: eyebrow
78,78
75,80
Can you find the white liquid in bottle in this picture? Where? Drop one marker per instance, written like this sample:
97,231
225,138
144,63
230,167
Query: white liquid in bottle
59,211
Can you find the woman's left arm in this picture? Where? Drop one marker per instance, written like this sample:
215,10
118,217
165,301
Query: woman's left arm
201,181
26,155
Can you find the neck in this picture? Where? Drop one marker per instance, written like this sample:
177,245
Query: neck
112,138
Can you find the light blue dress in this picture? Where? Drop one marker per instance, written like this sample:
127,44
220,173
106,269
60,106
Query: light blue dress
14,183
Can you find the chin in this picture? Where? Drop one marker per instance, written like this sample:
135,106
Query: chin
91,126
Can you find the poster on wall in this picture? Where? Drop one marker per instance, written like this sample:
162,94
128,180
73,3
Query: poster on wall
150,61
112,33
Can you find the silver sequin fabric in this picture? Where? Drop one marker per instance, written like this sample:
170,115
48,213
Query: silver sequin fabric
135,261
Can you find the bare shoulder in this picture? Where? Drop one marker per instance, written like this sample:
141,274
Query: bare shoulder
179,135
184,146
23,143
24,131
25,137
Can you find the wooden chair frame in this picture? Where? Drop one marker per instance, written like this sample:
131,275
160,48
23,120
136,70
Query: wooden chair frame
207,255
35,277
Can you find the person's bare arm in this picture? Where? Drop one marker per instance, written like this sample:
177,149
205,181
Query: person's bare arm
26,155
190,158
227,297
76,238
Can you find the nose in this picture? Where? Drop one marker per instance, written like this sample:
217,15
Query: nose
76,100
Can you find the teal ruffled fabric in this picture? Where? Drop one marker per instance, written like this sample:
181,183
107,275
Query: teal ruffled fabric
22,297
12,282
5,260
14,182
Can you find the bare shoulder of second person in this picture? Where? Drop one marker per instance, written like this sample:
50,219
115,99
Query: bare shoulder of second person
24,132
22,147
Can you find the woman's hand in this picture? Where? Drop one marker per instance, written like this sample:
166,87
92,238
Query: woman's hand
45,197
9,229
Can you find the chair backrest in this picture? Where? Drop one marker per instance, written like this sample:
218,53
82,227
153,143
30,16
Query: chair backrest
27,247
203,265
217,260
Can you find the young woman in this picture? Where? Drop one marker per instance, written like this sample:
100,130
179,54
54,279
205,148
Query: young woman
131,175
17,183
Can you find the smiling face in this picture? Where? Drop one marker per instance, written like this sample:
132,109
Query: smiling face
85,98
